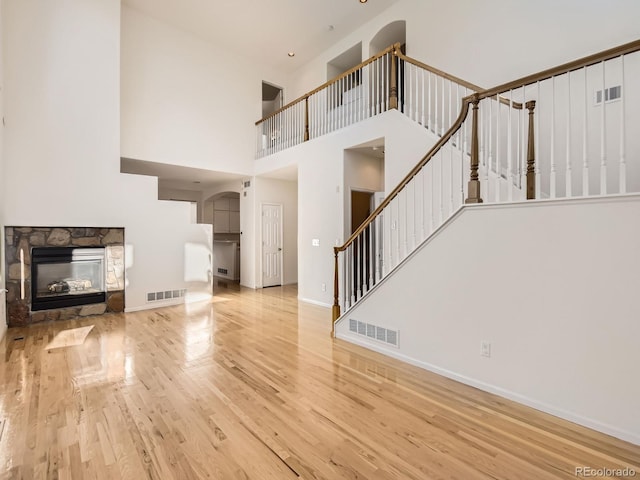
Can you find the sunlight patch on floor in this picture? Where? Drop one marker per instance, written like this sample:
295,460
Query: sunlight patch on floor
69,338
219,299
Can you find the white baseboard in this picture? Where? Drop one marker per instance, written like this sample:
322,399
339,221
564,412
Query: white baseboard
153,305
614,431
315,302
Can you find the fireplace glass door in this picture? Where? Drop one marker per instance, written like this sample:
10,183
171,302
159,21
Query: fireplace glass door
64,277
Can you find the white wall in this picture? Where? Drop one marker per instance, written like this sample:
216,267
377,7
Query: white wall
284,192
62,151
492,42
551,285
186,101
321,189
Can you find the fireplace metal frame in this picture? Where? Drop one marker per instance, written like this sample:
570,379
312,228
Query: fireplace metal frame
45,255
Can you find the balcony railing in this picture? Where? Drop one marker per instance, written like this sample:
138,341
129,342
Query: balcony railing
388,80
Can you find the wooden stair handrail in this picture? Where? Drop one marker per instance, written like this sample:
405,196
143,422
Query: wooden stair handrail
562,69
453,78
392,48
438,72
466,101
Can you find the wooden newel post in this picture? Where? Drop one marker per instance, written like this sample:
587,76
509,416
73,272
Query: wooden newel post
335,311
393,81
531,153
474,182
306,119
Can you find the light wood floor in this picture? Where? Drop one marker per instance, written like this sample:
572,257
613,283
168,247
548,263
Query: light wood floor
250,386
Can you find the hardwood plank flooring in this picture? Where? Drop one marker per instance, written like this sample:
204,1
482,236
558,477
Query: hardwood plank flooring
250,386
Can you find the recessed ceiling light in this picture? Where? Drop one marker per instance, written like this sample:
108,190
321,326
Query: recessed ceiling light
292,54
363,1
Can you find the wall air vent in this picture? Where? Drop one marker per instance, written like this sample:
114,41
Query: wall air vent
374,332
166,295
223,271
610,94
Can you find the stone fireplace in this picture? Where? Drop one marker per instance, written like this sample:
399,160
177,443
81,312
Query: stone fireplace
58,273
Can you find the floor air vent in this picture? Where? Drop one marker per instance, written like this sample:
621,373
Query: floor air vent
166,295
374,332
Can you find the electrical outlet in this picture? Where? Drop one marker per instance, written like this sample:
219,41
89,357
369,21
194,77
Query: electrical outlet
315,242
324,287
485,349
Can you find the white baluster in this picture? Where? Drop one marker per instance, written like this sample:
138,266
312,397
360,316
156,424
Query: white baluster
378,90
552,175
537,145
358,93
431,196
317,127
423,103
490,145
623,161
498,159
378,247
409,97
407,225
451,106
510,148
389,231
569,175
371,259
358,265
440,170
485,139
443,127
342,108
423,173
430,105
343,291
435,108
414,183
603,136
397,202
380,79
585,158
330,113
523,143
463,132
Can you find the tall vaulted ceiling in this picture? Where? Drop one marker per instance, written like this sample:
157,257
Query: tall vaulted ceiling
266,30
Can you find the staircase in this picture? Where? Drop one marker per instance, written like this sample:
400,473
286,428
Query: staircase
560,133
518,229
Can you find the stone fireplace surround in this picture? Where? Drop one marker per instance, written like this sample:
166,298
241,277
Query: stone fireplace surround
24,238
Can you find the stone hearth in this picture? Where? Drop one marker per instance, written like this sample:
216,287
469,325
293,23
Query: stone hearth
23,239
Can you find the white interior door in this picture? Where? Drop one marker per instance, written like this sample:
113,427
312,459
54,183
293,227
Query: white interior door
271,245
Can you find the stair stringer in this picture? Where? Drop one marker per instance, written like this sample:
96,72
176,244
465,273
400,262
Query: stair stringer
545,287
